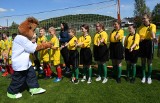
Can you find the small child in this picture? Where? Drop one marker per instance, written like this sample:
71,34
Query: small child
84,43
55,53
131,44
73,55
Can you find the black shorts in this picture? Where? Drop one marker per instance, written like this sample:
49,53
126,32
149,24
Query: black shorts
74,58
85,56
116,50
146,49
101,53
131,56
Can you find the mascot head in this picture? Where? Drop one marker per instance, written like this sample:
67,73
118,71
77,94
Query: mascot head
28,27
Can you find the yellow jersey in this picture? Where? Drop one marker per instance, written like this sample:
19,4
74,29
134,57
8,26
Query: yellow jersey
99,36
71,43
145,32
132,39
55,53
114,33
44,55
86,40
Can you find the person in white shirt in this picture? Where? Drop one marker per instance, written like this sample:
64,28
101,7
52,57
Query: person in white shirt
22,66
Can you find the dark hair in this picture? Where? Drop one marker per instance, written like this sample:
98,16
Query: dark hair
133,25
14,34
86,27
101,25
65,25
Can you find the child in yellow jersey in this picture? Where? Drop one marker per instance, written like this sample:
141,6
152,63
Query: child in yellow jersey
131,44
84,43
147,32
100,51
73,55
55,53
1,51
44,55
7,55
116,49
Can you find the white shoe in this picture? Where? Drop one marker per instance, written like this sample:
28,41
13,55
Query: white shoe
14,96
143,80
98,79
104,80
89,81
83,79
37,91
149,81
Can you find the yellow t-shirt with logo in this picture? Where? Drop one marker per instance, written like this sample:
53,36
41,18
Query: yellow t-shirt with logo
145,31
55,54
114,33
86,40
132,39
71,43
99,36
44,55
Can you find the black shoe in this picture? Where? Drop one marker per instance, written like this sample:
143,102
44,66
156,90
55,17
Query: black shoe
76,81
118,80
127,79
48,77
132,80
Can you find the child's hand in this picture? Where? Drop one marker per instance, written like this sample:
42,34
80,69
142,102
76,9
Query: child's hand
62,46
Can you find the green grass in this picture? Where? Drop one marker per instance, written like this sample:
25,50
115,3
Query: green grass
96,92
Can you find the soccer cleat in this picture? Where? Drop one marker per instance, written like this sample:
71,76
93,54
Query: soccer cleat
57,80
5,74
104,80
89,81
37,91
76,81
83,79
98,79
72,79
149,81
14,96
143,80
118,80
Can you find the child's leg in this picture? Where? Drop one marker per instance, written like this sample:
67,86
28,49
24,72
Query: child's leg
104,67
59,72
90,71
18,79
31,79
128,68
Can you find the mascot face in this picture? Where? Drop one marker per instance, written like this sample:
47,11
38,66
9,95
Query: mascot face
28,27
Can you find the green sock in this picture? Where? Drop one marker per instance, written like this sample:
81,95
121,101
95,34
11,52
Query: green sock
134,70
99,69
90,72
119,71
77,72
73,72
84,71
104,66
144,70
149,70
128,69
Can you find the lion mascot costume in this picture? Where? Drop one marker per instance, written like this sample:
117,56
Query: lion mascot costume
21,63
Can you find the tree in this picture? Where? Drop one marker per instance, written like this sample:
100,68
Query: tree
156,15
140,9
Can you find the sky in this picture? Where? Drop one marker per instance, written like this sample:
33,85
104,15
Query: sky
20,7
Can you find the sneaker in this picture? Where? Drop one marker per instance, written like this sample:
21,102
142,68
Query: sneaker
104,80
76,81
34,68
132,80
118,80
98,79
84,79
48,77
36,91
149,81
57,80
143,80
5,74
14,96
89,81
72,79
